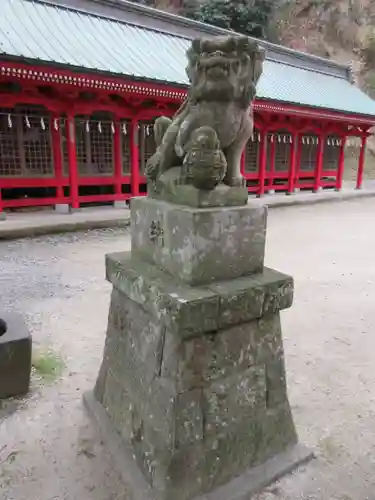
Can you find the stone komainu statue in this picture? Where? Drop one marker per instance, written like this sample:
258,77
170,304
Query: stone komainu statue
206,137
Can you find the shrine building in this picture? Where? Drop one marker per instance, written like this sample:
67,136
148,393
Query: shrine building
81,82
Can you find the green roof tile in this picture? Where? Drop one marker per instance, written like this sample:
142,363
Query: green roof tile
55,34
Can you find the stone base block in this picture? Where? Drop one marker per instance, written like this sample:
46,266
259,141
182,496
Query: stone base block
15,357
62,208
192,311
240,488
221,196
197,245
3,216
120,204
193,379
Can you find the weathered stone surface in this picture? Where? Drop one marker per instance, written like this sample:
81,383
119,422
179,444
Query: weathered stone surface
201,467
197,411
276,381
189,417
244,299
137,352
190,311
185,194
279,290
118,405
180,308
193,363
199,246
234,399
157,484
15,357
268,338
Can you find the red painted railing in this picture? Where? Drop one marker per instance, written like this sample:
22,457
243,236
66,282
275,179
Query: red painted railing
71,187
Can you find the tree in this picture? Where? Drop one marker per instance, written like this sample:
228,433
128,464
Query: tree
250,17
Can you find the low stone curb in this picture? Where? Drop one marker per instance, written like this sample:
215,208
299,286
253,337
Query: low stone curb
315,198
272,201
61,227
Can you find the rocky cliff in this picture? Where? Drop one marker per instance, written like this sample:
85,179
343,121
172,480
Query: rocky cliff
343,30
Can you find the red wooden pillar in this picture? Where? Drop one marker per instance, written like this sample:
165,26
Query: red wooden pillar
57,156
118,158
319,162
294,152
272,158
262,161
341,164
298,159
361,163
72,160
2,213
134,156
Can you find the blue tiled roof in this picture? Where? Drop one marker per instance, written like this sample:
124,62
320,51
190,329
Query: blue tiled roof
49,33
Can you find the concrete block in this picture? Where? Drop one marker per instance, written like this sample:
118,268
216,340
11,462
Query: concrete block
62,208
15,357
120,204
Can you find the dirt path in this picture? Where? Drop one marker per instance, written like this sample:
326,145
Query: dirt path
47,450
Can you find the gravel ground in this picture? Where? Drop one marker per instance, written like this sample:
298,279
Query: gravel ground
47,447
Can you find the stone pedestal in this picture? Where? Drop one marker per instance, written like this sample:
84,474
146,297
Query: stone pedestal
193,376
15,357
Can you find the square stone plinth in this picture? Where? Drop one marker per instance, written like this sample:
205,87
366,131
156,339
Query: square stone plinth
15,357
190,311
199,245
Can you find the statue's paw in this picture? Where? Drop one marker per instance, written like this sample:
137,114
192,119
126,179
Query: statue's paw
179,151
152,167
237,181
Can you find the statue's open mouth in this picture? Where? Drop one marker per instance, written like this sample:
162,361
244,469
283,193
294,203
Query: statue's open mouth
217,69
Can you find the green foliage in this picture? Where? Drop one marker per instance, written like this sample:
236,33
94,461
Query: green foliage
47,365
250,17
